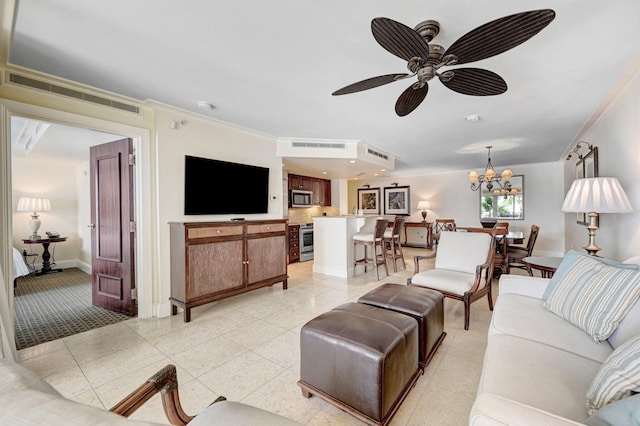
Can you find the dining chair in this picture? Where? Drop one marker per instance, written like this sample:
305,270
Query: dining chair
374,241
439,226
515,254
392,245
463,268
502,225
501,261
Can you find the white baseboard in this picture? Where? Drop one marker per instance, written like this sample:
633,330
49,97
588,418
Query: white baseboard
163,309
324,270
64,264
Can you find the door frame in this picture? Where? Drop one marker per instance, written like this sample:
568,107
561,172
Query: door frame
146,218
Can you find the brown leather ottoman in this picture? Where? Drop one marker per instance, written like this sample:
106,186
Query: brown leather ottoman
423,304
360,358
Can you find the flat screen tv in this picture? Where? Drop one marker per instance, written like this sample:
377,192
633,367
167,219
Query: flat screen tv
220,187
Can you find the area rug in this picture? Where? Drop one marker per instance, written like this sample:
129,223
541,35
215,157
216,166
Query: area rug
53,306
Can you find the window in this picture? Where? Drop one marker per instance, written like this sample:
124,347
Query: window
500,203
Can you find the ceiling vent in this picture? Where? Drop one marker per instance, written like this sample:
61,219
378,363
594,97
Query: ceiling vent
377,154
33,83
333,145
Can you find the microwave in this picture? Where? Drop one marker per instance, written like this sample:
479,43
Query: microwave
301,198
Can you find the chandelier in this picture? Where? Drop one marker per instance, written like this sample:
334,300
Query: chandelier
490,178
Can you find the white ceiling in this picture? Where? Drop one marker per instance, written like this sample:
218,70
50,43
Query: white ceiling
272,65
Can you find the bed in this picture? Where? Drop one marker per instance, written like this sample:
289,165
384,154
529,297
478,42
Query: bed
20,268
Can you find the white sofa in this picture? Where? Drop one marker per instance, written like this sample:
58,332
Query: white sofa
537,366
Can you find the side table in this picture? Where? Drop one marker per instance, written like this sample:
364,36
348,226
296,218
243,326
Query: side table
547,265
46,265
426,225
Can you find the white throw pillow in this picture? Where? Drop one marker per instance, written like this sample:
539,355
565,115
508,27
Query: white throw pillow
618,377
594,296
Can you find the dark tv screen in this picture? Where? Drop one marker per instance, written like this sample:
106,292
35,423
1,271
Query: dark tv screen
220,187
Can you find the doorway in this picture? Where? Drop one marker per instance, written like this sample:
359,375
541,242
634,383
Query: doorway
51,161
141,138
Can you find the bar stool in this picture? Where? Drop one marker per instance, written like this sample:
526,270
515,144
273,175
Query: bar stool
374,240
392,242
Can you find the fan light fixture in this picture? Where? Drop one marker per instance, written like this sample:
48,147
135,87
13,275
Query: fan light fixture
596,195
426,60
489,178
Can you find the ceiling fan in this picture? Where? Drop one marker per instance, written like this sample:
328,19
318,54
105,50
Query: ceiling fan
424,60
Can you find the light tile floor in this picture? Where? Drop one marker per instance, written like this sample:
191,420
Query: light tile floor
247,349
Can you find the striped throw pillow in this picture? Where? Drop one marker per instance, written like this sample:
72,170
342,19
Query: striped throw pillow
594,297
618,377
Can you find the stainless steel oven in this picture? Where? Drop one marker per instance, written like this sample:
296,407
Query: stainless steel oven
306,241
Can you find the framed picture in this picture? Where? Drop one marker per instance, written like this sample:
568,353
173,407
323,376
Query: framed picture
369,200
396,200
587,167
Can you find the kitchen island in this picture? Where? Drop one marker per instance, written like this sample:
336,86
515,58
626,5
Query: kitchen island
333,243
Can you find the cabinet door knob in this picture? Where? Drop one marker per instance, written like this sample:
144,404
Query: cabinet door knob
268,228
91,225
218,231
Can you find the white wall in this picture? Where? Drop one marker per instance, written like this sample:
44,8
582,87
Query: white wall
209,139
451,197
616,133
66,183
83,192
45,179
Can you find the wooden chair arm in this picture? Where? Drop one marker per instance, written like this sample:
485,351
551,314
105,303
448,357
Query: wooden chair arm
417,259
487,265
164,381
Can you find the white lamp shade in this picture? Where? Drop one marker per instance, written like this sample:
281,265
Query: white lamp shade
30,204
424,205
598,195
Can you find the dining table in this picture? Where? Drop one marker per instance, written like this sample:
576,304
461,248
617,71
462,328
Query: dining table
514,237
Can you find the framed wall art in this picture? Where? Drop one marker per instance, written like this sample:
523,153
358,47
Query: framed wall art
369,200
396,200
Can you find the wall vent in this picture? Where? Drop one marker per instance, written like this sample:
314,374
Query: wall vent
333,145
377,154
71,93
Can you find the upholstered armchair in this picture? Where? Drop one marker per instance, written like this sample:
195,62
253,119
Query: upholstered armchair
463,268
26,399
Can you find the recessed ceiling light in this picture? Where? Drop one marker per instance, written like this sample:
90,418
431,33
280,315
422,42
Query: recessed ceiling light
324,173
352,161
376,174
383,170
205,105
472,117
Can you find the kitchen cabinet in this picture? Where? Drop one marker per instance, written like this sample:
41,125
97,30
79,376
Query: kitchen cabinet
300,182
215,260
294,243
321,188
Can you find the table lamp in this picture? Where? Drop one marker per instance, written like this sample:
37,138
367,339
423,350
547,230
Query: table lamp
594,196
424,205
35,205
